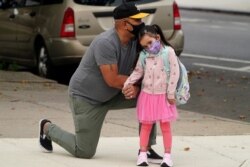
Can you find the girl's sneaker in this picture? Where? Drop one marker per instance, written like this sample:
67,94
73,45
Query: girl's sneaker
142,159
167,161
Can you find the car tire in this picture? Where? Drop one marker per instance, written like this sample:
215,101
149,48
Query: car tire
44,66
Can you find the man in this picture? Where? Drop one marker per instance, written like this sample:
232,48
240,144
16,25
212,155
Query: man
95,87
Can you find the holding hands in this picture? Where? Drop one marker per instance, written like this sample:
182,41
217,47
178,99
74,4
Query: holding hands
130,91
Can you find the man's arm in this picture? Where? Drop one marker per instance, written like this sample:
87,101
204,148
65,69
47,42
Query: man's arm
111,76
115,80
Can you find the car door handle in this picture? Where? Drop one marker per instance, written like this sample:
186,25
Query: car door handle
84,26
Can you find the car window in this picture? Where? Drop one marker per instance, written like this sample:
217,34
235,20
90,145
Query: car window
142,2
49,2
32,2
1,4
110,2
93,2
11,3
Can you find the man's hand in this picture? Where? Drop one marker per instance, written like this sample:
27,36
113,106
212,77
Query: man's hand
130,91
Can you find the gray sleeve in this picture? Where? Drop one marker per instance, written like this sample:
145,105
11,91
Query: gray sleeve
105,52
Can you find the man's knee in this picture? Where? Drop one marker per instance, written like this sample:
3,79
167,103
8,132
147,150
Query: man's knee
87,154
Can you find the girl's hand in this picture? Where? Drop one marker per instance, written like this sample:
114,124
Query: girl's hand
171,101
130,91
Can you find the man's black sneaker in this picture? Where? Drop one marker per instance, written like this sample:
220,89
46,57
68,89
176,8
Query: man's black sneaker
153,157
45,143
164,165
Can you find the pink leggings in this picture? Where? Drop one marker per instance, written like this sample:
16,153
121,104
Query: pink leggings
166,133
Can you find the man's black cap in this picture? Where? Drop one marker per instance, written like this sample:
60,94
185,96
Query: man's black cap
128,10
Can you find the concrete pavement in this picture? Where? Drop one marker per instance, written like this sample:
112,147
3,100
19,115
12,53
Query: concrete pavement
199,151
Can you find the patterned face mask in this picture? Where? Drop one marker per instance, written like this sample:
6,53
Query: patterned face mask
154,48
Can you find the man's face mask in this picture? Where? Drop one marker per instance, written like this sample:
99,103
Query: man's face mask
136,28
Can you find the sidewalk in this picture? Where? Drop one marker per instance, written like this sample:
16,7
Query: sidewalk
199,140
229,6
219,151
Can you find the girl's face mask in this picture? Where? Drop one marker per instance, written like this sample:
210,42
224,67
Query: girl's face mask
154,48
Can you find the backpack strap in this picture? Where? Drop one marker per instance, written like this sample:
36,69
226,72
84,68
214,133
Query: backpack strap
180,73
164,56
142,58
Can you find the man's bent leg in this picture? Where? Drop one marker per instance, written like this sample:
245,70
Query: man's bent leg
88,120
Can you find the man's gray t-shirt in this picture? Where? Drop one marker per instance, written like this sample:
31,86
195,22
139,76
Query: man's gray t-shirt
87,81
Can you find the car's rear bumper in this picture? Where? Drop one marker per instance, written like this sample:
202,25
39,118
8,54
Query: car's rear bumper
177,41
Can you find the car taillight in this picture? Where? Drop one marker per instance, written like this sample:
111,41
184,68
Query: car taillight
68,24
177,18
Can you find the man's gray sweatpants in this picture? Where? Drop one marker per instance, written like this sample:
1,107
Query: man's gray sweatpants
88,121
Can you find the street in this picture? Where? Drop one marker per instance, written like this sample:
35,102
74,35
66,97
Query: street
217,55
216,34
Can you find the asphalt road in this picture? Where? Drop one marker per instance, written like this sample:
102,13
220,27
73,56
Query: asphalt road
217,55
216,34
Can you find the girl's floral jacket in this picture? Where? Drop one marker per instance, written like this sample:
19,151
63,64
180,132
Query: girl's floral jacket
156,79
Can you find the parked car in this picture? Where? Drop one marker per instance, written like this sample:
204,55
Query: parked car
50,33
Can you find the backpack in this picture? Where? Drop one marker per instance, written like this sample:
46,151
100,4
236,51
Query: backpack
182,93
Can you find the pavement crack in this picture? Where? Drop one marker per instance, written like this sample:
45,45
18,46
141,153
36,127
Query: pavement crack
123,125
241,165
34,102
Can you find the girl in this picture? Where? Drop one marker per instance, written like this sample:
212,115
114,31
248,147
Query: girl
156,101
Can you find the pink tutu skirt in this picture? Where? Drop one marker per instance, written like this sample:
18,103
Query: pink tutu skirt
155,107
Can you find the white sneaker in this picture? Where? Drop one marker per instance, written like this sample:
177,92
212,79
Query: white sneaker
167,161
142,159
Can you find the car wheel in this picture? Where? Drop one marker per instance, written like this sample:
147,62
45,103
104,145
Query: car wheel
43,63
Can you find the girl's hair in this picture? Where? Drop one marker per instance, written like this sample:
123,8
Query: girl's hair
152,30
